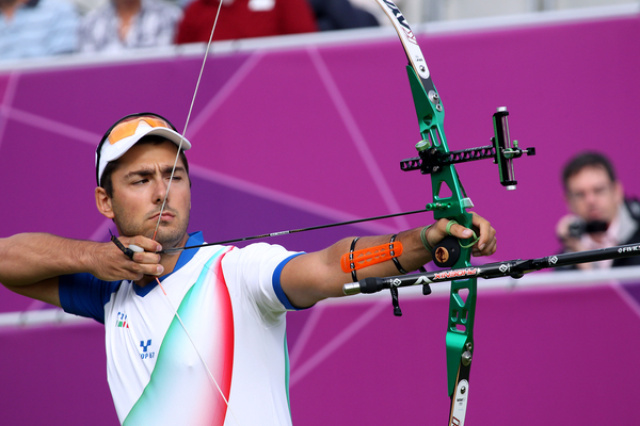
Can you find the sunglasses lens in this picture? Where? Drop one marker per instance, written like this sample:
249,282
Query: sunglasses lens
128,128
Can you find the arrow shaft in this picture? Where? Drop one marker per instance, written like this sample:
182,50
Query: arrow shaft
293,231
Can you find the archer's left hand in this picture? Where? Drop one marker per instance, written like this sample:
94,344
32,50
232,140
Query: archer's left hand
486,244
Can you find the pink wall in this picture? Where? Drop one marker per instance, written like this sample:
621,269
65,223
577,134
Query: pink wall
560,355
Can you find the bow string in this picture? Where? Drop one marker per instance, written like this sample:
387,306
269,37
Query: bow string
173,308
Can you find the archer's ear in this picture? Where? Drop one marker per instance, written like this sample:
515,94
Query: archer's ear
103,203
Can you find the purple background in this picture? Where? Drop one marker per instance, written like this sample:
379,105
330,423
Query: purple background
296,137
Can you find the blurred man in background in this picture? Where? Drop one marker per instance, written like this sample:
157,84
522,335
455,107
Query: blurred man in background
600,215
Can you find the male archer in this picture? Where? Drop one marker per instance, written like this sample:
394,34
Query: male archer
193,336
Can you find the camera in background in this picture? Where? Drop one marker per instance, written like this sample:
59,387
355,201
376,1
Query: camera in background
580,227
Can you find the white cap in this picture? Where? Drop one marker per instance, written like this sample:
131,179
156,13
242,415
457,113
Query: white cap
147,125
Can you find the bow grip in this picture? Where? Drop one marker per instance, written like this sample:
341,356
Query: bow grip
447,252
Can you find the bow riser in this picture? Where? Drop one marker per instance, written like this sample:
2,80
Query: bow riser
449,201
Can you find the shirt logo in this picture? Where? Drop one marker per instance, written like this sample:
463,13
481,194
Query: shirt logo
121,320
146,353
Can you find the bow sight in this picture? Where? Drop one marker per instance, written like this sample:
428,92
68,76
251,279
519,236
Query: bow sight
434,156
431,159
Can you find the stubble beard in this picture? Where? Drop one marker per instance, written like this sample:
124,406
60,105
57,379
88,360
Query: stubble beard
168,236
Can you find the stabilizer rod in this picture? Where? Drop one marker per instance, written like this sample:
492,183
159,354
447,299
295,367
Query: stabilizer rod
512,268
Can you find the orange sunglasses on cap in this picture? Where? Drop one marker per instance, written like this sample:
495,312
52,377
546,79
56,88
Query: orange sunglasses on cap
124,129
129,126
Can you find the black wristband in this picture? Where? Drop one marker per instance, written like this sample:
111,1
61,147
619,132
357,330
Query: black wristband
354,276
395,259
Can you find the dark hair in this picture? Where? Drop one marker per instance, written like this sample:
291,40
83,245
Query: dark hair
587,159
106,182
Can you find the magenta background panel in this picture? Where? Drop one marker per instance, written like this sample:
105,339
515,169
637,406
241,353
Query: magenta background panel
551,356
295,137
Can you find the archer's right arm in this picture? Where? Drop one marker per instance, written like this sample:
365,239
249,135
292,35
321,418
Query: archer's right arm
31,263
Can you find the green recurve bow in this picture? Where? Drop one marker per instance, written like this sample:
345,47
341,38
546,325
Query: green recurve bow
450,201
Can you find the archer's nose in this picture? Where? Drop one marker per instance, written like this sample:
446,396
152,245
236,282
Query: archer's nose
160,191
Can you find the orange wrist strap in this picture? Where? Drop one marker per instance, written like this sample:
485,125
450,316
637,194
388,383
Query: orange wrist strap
362,258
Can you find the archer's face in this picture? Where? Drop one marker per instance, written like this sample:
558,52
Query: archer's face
592,195
139,186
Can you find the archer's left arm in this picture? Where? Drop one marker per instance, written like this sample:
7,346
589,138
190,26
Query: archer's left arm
312,277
